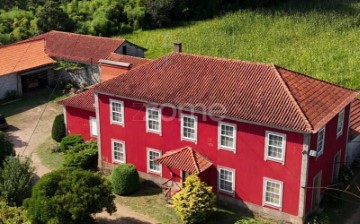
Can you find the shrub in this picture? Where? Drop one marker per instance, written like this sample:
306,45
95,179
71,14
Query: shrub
69,196
318,218
125,179
70,141
247,220
6,148
85,159
12,215
83,146
345,174
16,180
58,129
195,202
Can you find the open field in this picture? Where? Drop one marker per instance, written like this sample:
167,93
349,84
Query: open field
319,38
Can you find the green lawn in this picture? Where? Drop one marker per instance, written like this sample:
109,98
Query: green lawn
52,160
150,201
319,38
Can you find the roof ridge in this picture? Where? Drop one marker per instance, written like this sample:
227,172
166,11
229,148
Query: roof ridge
86,35
194,159
22,42
292,98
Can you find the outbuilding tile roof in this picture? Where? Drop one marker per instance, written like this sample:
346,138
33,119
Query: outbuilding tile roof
256,92
78,47
134,61
84,100
23,56
186,159
355,119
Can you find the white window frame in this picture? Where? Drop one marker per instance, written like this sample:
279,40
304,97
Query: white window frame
148,130
148,150
320,151
340,126
91,126
233,149
281,191
233,180
267,144
195,127
112,151
121,112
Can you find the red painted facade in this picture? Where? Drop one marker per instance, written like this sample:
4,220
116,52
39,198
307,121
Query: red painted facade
248,161
78,122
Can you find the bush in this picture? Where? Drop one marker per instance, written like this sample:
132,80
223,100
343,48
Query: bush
345,174
6,148
69,196
247,220
16,180
70,141
318,218
12,215
125,179
58,129
80,147
85,159
195,202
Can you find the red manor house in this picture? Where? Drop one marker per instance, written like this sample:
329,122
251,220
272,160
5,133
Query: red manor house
262,136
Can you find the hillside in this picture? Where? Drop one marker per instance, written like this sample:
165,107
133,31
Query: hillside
320,40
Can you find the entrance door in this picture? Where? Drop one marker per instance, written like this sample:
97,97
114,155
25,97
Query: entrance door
316,193
336,167
184,175
93,127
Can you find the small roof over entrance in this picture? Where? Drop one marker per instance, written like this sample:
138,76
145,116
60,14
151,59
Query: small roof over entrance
186,159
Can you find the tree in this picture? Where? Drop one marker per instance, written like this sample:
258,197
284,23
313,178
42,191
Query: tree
6,148
58,129
195,202
12,215
16,180
69,196
52,17
159,11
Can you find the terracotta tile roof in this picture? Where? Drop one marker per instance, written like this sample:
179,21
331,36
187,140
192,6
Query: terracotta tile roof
355,119
256,92
78,47
23,56
185,159
134,61
84,100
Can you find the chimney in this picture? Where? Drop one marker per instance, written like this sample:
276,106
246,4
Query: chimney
178,47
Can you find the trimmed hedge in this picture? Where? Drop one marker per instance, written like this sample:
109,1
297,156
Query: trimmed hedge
85,159
70,141
125,179
58,129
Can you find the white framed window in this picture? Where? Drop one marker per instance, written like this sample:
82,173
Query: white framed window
153,120
226,180
227,136
340,123
93,126
320,142
188,127
275,146
272,192
152,165
118,151
117,112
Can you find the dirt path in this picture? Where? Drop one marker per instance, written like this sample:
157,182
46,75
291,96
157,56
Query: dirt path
21,127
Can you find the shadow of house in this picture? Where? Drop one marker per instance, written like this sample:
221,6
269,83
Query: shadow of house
122,220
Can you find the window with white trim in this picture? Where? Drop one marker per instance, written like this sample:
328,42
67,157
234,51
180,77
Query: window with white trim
117,112
118,151
340,124
320,142
227,136
273,190
153,120
153,166
275,146
188,127
226,180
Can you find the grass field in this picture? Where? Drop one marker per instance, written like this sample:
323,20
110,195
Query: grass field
320,38
52,160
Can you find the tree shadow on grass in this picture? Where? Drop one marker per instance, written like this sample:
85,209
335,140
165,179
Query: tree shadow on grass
226,214
122,220
147,188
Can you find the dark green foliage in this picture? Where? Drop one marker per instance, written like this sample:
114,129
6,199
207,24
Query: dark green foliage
12,215
6,148
82,146
345,174
58,129
69,196
125,179
318,218
85,159
69,141
16,178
